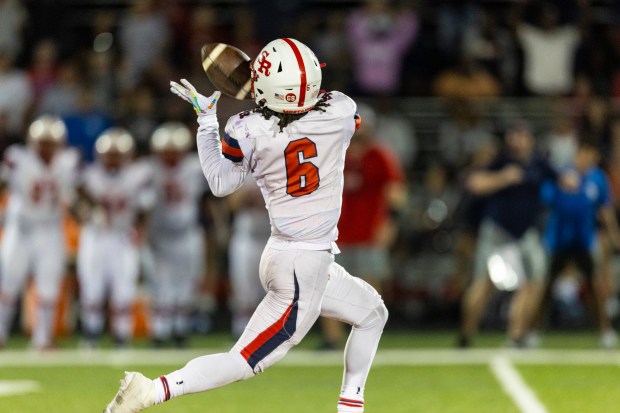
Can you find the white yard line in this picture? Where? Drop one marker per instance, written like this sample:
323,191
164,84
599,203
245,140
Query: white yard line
12,387
514,385
414,357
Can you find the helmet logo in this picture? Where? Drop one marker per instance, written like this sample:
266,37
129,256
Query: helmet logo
290,97
264,63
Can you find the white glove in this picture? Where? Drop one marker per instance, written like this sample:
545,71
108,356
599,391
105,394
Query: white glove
202,105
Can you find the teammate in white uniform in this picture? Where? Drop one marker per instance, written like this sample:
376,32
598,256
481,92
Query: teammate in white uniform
176,240
118,193
294,146
40,178
250,230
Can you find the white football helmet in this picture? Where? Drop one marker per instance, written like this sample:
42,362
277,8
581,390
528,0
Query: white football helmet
115,140
286,75
47,128
173,136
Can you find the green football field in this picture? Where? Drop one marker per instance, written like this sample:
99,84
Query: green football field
412,373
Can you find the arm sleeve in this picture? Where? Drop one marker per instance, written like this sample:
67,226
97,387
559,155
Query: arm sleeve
224,176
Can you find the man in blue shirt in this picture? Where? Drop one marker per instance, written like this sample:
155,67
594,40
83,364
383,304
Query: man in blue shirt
508,250
575,203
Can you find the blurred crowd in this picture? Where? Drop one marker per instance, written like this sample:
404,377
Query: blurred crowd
444,86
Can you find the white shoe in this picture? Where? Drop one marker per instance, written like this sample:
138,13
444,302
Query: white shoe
609,339
135,394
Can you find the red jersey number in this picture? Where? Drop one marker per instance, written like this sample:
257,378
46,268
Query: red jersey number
302,177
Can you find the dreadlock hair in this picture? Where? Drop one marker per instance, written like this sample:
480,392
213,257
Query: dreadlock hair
288,118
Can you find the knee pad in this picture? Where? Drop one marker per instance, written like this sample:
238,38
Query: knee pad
376,319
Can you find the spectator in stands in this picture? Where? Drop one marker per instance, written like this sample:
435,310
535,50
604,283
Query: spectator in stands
549,50
85,124
463,133
62,96
466,80
508,230
379,37
493,48
374,193
397,132
332,47
454,19
142,116
43,70
144,35
102,77
561,142
575,201
13,18
15,93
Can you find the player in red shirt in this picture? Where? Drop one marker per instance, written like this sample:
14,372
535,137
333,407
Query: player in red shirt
374,191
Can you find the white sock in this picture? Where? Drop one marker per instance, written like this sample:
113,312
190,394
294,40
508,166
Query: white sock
162,323
123,324
351,399
201,374
42,334
92,320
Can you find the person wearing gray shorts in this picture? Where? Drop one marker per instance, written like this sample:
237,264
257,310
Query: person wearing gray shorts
509,254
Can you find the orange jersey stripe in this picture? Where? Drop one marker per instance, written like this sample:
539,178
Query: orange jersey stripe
230,151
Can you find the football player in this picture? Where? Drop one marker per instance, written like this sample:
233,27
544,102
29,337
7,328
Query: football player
118,195
294,145
176,242
40,179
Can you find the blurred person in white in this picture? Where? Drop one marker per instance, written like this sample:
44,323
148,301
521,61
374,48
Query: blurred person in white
13,18
15,92
116,196
144,35
397,132
380,35
250,230
40,179
549,52
175,239
561,142
463,133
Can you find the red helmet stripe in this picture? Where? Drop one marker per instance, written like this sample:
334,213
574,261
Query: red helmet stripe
302,71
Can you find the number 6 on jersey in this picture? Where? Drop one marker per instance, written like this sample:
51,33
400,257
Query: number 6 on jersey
302,178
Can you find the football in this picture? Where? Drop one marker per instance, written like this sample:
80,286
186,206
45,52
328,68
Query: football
228,68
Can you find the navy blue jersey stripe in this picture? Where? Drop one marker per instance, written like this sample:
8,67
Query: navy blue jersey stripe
232,158
285,333
232,142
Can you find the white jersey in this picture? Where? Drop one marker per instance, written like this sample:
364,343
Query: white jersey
38,191
122,194
299,170
178,190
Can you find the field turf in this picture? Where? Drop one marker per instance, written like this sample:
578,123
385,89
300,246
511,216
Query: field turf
413,373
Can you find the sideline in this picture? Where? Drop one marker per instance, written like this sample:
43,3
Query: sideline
401,357
13,387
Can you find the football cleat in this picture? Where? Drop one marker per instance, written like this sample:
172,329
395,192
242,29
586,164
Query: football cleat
135,394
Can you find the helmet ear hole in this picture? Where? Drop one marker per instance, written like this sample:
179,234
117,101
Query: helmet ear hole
259,91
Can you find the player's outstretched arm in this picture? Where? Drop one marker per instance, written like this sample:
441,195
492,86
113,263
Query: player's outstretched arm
224,176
